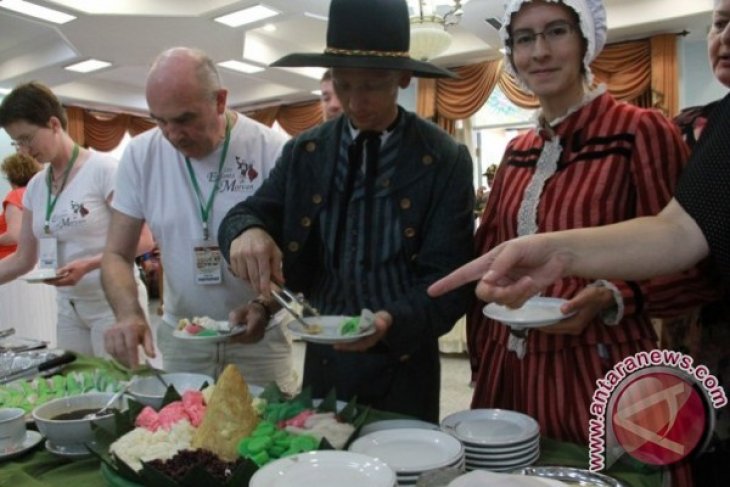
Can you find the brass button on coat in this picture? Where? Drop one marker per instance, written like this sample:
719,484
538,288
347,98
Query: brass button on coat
409,232
385,182
427,160
293,246
306,221
405,203
317,199
310,147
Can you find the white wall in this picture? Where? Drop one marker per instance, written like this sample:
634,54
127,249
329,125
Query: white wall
698,85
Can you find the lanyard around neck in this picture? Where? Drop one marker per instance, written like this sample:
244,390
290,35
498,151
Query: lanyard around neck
205,210
51,202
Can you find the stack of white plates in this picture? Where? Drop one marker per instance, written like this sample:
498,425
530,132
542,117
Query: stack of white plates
412,451
325,469
495,439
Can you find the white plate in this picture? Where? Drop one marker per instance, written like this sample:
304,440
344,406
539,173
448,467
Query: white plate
480,478
510,455
504,464
389,424
410,450
220,337
413,477
40,275
75,451
516,449
330,330
496,427
32,438
325,469
534,313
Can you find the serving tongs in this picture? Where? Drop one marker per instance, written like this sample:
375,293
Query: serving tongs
7,332
45,367
287,299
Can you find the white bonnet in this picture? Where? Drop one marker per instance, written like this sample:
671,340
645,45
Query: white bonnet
592,17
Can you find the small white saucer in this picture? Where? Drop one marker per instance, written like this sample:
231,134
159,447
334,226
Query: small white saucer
536,312
40,275
79,451
32,438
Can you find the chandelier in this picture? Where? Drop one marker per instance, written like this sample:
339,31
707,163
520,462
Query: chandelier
429,34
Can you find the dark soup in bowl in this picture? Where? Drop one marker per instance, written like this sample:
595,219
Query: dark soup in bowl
81,414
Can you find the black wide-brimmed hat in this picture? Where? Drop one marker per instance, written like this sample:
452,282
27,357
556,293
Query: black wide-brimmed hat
372,34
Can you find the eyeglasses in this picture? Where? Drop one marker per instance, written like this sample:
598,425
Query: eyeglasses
24,140
525,39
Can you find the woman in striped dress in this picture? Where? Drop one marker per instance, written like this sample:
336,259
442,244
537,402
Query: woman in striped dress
590,161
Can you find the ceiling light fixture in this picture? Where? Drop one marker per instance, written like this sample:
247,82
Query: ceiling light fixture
240,66
88,66
33,10
4,91
247,16
429,35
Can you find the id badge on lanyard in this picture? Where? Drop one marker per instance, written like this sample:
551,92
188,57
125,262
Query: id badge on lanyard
208,260
48,253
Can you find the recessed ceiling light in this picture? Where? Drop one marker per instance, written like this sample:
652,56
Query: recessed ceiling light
88,66
241,66
317,92
5,91
43,13
269,28
314,73
247,16
503,50
323,18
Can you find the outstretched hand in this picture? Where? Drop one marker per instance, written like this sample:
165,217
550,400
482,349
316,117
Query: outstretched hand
510,273
122,340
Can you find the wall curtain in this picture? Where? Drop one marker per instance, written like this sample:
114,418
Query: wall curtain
102,131
642,72
294,119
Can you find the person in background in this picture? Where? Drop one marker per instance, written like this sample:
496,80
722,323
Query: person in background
18,169
705,334
181,178
66,216
589,160
331,107
365,211
483,191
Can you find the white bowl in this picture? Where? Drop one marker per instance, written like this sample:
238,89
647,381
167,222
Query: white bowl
73,433
149,390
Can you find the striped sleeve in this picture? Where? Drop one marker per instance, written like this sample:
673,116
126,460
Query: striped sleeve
659,158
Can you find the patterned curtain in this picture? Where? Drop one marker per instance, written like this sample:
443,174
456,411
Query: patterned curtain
294,119
103,131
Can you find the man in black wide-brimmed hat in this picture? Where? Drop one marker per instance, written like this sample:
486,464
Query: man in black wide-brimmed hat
365,211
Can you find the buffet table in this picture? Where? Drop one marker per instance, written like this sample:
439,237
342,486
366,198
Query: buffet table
40,468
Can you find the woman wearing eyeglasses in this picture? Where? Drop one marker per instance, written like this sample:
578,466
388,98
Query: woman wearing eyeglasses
65,217
590,160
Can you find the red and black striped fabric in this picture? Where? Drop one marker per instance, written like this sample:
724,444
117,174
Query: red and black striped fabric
618,162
